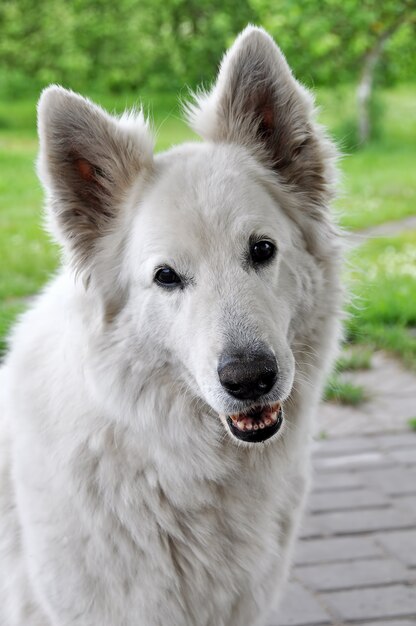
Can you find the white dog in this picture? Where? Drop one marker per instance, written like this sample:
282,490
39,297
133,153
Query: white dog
157,400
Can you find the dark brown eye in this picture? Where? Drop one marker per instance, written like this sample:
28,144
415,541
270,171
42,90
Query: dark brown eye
262,251
167,277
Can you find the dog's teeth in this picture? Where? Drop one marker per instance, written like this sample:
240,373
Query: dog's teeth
244,421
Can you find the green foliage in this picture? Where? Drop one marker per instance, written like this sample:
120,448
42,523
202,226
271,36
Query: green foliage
163,44
115,46
412,423
326,41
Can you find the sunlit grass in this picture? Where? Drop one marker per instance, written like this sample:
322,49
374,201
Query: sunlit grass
379,186
378,181
383,279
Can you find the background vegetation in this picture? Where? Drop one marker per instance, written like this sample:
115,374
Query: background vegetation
359,56
164,44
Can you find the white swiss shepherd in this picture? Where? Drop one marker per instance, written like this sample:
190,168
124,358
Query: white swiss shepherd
157,399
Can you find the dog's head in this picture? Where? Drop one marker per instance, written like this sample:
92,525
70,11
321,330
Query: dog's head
207,259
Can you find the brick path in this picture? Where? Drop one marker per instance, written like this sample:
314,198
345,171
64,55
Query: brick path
356,560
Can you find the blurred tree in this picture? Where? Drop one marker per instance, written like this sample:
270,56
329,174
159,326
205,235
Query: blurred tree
38,41
342,40
386,20
116,45
164,44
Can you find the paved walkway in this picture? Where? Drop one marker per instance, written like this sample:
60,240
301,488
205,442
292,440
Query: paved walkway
356,559
387,229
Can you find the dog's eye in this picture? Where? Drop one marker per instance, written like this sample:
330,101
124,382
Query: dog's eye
166,277
262,251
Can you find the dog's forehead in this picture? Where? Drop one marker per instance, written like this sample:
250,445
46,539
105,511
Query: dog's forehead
221,185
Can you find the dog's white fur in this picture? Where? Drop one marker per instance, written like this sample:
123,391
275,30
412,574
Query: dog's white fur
124,499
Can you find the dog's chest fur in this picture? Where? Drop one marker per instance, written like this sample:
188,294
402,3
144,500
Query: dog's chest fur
127,531
194,541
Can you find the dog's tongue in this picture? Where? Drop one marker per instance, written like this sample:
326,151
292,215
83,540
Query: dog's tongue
256,418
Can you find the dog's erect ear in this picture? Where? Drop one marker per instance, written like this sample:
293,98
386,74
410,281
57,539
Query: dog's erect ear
256,102
88,160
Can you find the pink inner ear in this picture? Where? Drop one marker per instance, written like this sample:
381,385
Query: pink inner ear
268,117
85,170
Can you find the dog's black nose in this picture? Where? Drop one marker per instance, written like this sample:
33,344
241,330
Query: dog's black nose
247,377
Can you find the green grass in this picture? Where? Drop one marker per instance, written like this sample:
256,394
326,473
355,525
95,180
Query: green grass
344,392
355,359
378,182
379,185
412,423
382,276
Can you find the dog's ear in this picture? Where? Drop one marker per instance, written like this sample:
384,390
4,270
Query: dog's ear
87,162
256,102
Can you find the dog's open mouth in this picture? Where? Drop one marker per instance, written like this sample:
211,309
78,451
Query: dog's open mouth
257,424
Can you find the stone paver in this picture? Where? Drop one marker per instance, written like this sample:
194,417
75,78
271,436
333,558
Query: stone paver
357,522
392,623
370,572
393,482
400,544
361,460
404,456
345,445
351,499
299,608
336,481
391,442
338,549
407,503
374,602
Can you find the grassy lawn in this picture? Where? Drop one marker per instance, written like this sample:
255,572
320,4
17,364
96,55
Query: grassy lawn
382,276
379,184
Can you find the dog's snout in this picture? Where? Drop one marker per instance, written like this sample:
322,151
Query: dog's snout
248,377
